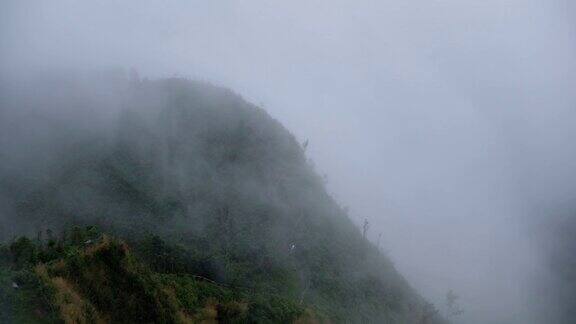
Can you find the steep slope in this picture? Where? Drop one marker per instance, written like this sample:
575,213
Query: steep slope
225,189
88,277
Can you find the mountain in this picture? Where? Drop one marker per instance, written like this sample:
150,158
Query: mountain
175,201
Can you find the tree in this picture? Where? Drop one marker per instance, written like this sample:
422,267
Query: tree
452,307
365,227
427,313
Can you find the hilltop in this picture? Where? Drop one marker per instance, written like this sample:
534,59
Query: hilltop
187,195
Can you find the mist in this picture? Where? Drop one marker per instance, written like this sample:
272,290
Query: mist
447,125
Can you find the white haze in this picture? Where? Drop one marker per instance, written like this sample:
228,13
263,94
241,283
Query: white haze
449,125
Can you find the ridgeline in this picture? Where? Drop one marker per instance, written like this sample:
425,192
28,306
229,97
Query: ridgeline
174,201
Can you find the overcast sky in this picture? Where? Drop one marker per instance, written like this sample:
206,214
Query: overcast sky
448,124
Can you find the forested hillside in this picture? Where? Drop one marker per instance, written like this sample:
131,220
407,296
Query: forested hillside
175,201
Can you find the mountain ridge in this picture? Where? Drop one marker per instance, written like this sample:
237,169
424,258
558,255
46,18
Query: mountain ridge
219,180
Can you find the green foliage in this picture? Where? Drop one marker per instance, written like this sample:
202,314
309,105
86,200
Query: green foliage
219,203
104,280
272,309
23,252
111,280
29,303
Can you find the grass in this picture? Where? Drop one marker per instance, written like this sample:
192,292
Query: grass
104,282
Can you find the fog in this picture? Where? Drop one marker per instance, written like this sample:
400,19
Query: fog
448,125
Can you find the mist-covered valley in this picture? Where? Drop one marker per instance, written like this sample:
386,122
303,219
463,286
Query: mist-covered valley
311,161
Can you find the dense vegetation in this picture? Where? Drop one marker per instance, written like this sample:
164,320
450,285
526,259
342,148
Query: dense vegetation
225,218
86,277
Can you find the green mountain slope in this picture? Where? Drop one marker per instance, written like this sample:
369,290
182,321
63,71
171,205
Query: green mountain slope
84,277
206,189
